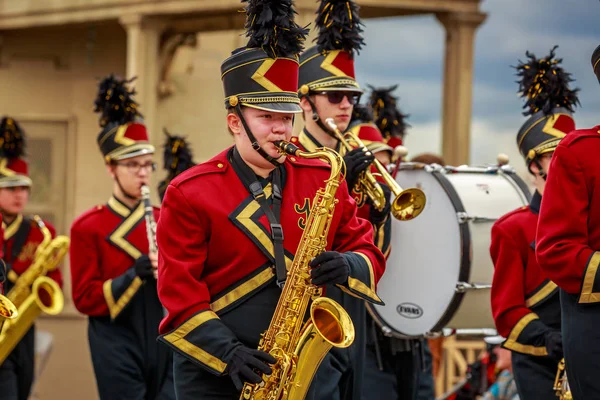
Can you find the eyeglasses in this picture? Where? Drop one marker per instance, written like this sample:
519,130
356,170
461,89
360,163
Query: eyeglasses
134,167
338,97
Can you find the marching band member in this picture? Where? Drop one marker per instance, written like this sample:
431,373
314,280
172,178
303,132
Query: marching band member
219,236
525,302
21,237
177,157
392,366
568,241
111,270
328,89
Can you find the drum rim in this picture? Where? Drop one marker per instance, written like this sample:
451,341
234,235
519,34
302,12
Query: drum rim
464,270
520,183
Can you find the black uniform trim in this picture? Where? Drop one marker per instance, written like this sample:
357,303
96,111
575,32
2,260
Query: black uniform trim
527,337
542,293
588,295
10,230
310,143
361,282
382,236
121,288
205,340
242,289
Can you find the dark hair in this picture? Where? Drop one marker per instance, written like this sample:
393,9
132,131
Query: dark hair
428,158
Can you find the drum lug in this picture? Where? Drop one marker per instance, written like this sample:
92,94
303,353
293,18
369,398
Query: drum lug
387,332
462,287
463,217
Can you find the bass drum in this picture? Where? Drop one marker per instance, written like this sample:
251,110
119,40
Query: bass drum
439,271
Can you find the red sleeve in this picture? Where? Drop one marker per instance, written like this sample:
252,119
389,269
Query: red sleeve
508,284
562,248
355,238
181,259
86,279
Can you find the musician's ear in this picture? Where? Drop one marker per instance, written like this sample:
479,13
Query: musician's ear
234,123
110,168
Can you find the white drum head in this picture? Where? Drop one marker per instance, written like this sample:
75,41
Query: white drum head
433,252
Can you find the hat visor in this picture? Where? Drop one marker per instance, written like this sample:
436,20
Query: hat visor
353,89
15,181
293,108
376,147
135,150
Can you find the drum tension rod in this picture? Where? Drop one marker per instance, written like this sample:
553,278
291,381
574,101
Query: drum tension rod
464,217
462,287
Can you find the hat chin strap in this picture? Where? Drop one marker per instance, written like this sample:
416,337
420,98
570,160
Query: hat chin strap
255,144
541,172
129,196
317,119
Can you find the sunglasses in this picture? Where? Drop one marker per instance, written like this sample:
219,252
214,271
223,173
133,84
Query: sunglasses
338,97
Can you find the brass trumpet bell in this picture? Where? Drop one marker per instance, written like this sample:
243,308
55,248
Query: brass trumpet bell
7,308
408,204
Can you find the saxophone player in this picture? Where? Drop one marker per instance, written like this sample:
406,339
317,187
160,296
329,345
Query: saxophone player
229,226
568,242
21,238
328,89
524,298
111,268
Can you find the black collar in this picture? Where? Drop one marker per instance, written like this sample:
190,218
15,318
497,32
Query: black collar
310,143
536,200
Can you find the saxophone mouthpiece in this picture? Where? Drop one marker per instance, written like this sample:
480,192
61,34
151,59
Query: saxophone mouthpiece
287,147
331,123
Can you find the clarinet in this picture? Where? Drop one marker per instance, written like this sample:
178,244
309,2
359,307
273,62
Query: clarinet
150,222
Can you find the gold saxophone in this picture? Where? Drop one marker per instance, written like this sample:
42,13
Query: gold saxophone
561,384
300,347
34,292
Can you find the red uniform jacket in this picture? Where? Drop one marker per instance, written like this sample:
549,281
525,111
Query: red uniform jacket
568,235
19,259
216,255
382,232
105,242
525,302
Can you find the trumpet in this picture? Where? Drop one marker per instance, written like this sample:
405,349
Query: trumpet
407,203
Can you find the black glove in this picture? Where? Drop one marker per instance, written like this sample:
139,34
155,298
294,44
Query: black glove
244,363
143,267
329,268
377,217
553,341
356,162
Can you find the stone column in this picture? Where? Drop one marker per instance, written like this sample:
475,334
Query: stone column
143,38
458,84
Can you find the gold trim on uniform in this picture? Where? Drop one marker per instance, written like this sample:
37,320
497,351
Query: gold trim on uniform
118,236
361,287
512,344
541,294
177,339
10,230
242,290
587,295
115,308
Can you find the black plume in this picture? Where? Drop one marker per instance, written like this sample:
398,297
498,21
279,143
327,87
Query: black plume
115,101
12,138
545,84
387,116
339,26
178,157
361,114
270,25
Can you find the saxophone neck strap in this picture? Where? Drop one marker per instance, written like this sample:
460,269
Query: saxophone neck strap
250,181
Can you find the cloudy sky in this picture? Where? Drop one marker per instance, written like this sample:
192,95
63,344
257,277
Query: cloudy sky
409,52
